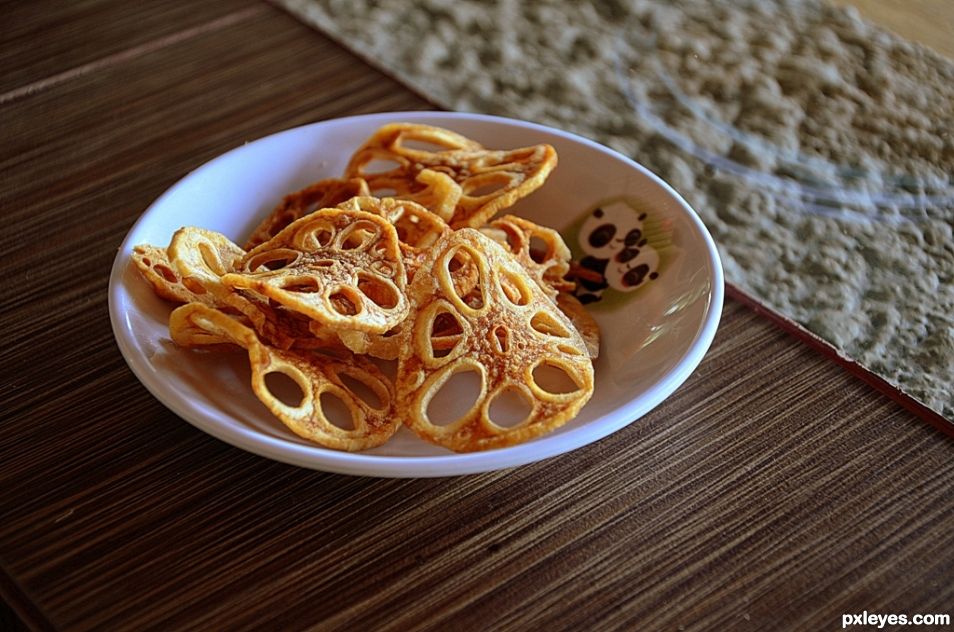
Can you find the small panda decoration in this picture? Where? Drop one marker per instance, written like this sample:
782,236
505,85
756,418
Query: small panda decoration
616,251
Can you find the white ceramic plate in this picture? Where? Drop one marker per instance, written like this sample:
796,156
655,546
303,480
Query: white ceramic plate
653,338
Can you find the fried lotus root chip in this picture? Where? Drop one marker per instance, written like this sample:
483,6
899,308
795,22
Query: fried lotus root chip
490,180
202,257
154,266
548,264
417,228
584,322
386,346
435,191
512,334
322,194
315,375
341,268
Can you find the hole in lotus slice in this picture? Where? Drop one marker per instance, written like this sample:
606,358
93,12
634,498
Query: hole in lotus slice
194,285
540,250
548,325
445,333
514,288
446,324
507,235
284,388
500,339
272,259
554,378
358,236
317,233
383,268
365,388
510,407
464,270
345,302
570,350
336,411
485,184
164,271
415,230
456,397
379,166
379,291
300,284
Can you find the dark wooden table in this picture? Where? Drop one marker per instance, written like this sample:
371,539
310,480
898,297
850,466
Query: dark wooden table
773,490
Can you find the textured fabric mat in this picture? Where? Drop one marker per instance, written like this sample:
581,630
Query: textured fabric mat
817,148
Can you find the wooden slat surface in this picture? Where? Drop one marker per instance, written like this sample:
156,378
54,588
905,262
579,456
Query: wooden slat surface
773,490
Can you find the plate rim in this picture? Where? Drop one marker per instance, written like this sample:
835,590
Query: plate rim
362,464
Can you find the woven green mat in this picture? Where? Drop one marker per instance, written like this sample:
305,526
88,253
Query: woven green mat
818,149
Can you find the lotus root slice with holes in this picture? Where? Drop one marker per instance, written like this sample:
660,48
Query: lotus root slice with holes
322,194
547,265
490,180
202,257
510,329
341,268
584,322
315,375
154,266
417,228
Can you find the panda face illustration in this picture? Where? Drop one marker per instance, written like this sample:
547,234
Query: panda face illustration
611,228
613,239
640,266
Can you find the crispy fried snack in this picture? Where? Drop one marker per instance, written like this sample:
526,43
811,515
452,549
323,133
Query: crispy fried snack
154,266
387,346
195,324
389,263
549,266
322,194
588,328
440,194
509,329
489,180
340,268
202,257
417,228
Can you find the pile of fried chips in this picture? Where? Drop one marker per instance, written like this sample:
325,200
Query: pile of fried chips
402,263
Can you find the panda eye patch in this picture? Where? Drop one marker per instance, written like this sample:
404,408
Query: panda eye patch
635,276
601,235
633,237
626,254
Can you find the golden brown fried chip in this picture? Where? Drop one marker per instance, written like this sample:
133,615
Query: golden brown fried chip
341,268
507,338
202,257
372,423
547,263
322,194
417,228
490,180
440,194
584,322
154,266
386,263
